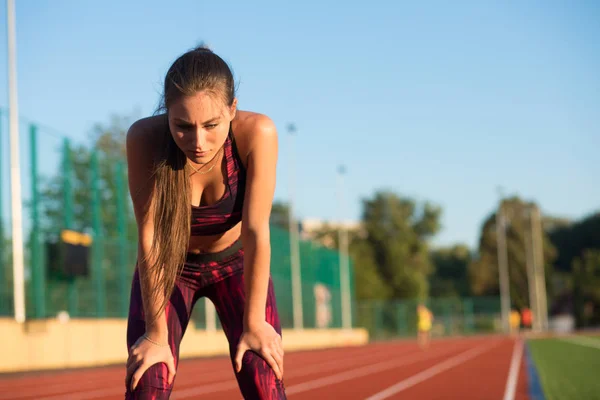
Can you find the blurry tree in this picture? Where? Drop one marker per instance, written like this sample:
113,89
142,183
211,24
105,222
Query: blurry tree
586,288
396,234
450,277
578,246
280,212
110,138
572,239
389,250
369,283
328,236
483,270
109,143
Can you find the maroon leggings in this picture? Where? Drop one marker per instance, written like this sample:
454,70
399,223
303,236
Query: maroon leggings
218,276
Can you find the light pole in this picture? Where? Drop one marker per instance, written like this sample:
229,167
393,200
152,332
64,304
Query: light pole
344,258
531,258
503,265
537,240
15,171
294,240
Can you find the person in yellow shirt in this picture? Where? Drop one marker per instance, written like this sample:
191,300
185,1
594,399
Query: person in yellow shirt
424,323
515,322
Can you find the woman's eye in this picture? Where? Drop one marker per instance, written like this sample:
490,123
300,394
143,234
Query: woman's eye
211,126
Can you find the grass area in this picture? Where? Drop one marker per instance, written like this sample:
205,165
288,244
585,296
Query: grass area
567,370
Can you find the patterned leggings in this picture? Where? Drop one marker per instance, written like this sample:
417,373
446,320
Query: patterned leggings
218,276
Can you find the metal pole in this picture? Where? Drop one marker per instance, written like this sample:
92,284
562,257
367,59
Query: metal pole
294,240
503,267
530,257
68,219
539,270
344,259
15,171
121,191
98,243
3,268
38,273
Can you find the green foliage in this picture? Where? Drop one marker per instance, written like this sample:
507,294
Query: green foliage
586,288
390,249
573,239
578,246
369,283
280,212
450,277
109,142
483,270
397,231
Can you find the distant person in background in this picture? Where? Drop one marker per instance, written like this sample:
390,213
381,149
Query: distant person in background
424,324
322,306
526,318
202,180
515,322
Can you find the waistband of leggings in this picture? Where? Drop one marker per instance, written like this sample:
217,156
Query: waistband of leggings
202,258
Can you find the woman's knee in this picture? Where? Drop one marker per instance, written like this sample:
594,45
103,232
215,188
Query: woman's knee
257,379
153,384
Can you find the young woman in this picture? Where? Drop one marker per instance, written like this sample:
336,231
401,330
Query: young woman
202,180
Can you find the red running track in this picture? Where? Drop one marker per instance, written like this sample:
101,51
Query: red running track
466,368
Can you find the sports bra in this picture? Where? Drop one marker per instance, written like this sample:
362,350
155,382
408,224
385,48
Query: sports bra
223,215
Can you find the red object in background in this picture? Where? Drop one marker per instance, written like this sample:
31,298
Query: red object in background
526,317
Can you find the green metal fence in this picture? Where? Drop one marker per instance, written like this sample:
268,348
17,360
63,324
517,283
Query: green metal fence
69,186
452,317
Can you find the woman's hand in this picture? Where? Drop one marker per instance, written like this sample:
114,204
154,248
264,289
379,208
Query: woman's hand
265,341
144,354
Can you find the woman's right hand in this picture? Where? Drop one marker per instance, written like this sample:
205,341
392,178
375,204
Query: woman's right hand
144,354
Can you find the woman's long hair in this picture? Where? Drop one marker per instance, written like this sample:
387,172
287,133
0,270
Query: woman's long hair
197,70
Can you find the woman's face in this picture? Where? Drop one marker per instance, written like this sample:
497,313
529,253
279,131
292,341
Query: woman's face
199,124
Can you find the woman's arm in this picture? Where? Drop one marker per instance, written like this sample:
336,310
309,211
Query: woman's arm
140,165
143,354
260,188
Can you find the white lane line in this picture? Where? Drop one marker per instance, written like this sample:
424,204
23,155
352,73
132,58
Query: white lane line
430,372
360,372
582,341
513,372
312,384
231,384
226,382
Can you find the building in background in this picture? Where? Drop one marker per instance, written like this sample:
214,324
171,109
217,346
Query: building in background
324,232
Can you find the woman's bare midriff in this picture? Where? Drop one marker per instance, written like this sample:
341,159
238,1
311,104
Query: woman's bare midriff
214,243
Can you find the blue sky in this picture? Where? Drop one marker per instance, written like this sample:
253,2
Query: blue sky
440,101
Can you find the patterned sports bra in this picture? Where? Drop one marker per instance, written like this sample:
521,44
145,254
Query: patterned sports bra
223,215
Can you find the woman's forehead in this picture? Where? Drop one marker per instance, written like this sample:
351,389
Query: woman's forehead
199,108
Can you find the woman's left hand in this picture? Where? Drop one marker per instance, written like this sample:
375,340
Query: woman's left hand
265,341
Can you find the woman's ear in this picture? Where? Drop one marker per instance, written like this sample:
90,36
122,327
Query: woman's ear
233,108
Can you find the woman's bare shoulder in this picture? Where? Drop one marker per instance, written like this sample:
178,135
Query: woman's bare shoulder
147,131
144,138
252,127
